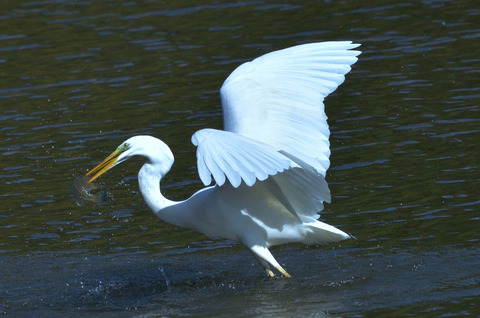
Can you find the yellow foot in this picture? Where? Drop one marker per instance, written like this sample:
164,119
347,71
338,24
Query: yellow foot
280,269
284,272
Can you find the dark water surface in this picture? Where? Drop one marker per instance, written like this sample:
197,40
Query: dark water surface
77,78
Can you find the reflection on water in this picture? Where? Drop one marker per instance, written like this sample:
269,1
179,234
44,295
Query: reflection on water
78,78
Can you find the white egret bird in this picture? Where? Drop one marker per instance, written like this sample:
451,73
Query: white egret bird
268,164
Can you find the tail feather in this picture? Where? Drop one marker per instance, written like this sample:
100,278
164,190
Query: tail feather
322,233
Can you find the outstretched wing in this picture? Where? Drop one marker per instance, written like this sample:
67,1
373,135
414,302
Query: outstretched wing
274,105
278,98
295,184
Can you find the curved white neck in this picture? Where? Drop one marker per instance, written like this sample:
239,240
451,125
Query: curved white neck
149,178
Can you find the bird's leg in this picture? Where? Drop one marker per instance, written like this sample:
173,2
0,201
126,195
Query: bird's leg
266,259
283,271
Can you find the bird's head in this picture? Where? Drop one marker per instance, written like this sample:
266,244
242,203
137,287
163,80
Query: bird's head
122,153
155,150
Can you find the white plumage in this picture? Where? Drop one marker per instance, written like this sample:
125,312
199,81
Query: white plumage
268,164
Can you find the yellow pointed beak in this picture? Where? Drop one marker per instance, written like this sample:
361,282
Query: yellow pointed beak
104,165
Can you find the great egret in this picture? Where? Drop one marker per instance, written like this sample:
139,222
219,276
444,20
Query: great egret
274,152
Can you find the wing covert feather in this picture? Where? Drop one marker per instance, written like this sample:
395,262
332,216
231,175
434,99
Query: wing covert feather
223,154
